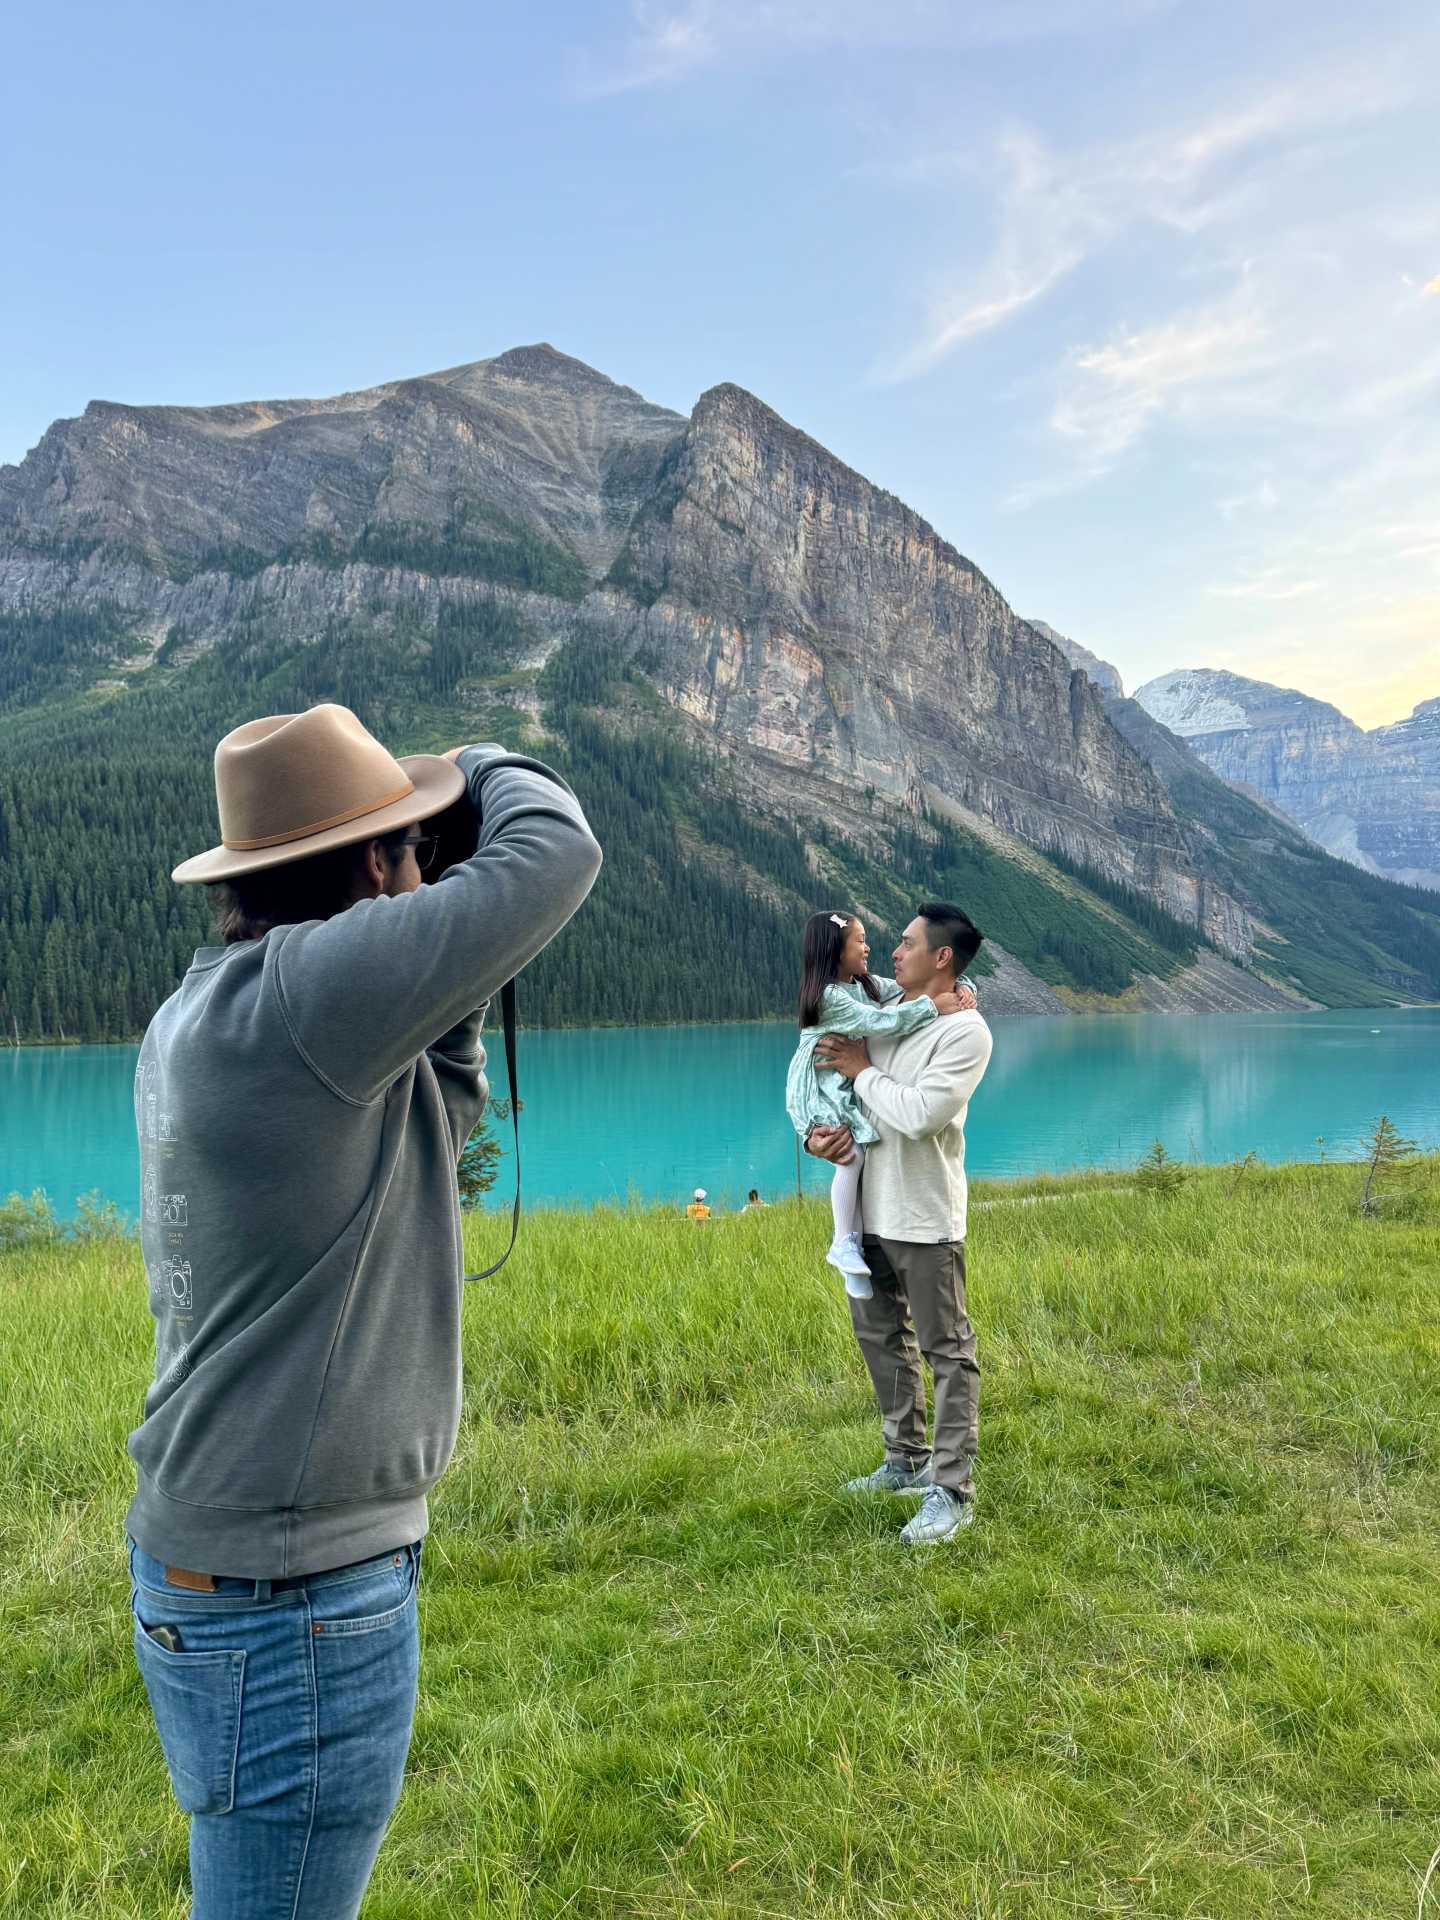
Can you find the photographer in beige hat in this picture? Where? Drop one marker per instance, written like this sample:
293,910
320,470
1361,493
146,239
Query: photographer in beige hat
301,1103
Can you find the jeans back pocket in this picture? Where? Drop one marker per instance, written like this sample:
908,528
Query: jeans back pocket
195,1698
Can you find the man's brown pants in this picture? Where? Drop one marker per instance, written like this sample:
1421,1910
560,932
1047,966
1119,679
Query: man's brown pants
918,1307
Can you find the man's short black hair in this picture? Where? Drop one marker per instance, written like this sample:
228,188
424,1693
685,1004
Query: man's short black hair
950,926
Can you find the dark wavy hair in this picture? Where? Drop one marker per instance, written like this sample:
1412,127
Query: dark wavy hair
247,906
323,884
820,963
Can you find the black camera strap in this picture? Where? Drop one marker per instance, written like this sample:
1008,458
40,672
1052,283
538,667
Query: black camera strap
507,1017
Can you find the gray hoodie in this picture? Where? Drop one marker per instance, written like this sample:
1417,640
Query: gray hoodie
301,1102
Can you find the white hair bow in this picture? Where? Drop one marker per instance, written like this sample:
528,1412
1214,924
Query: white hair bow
839,920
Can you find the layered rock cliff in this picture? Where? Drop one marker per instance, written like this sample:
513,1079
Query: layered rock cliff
1371,798
830,634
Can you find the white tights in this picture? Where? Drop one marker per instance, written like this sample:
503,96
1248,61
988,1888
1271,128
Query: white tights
845,1195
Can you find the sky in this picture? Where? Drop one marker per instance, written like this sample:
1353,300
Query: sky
1137,301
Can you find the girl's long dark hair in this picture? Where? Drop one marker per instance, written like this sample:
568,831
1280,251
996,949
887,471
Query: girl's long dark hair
820,963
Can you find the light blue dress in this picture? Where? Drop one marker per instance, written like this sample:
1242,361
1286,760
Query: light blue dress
821,1097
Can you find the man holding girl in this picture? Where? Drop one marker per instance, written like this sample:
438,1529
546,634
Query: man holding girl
915,1085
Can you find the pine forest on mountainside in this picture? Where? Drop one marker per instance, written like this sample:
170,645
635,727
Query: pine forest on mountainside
696,916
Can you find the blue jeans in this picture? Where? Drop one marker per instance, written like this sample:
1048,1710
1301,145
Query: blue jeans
285,1714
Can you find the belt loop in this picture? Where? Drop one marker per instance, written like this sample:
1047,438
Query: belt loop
262,1589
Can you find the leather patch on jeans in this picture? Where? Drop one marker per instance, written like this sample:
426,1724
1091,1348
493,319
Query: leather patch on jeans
196,1582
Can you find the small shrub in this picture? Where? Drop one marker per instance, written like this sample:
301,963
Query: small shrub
1160,1174
27,1223
1246,1163
480,1161
1389,1155
97,1218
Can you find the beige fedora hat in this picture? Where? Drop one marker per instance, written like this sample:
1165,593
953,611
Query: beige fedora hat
300,783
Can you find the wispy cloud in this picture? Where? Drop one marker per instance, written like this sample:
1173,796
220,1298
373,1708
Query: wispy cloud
1380,397
1112,393
1263,498
1337,590
1320,342
1267,589
1302,383
666,43
1181,370
1055,210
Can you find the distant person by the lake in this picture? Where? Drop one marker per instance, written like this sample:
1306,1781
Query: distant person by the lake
914,1092
839,995
698,1208
302,1102
752,1201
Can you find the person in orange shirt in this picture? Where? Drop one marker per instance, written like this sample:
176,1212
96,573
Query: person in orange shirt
697,1209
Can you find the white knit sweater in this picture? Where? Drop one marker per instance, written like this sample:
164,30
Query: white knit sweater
917,1092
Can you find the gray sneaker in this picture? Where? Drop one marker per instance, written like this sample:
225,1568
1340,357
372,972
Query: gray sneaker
941,1514
888,1478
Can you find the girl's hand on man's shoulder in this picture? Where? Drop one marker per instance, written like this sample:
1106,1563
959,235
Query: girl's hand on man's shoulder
962,1000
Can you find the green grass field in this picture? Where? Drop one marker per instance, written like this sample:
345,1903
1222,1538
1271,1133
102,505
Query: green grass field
1187,1662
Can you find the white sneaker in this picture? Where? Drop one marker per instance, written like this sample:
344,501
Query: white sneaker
942,1514
845,1254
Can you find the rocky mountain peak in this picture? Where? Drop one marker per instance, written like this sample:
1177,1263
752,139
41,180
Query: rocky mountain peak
1201,700
540,365
730,408
1371,798
530,439
739,436
727,396
541,361
1105,677
1425,717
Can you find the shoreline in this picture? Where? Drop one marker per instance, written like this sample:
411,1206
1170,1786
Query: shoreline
787,1019
983,1191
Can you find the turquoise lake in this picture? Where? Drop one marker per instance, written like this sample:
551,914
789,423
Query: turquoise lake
652,1113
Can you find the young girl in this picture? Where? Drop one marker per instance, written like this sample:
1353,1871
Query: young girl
838,994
